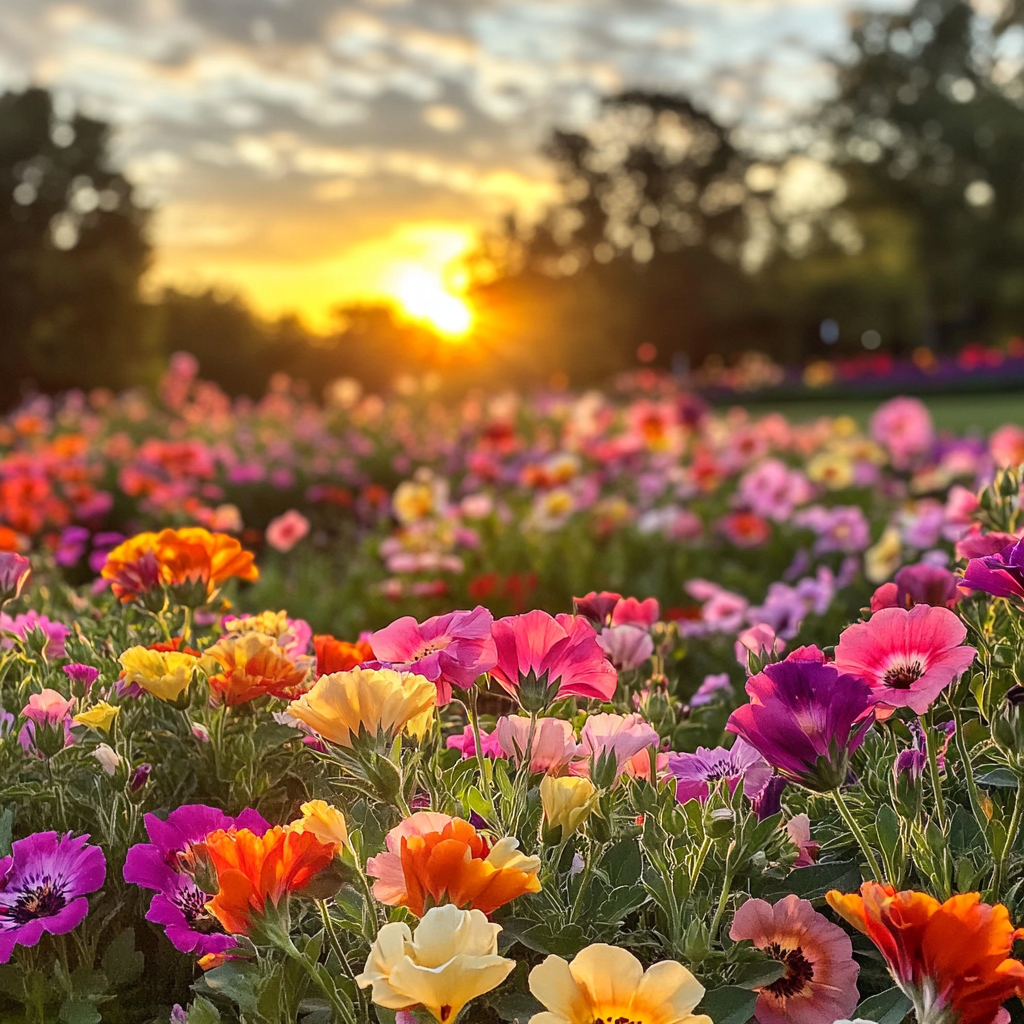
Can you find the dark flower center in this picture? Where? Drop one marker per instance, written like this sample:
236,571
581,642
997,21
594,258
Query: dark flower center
192,903
41,900
616,1020
902,677
799,971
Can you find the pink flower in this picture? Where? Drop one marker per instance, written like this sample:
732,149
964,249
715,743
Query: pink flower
465,743
48,728
553,747
48,707
627,647
449,650
607,742
799,830
387,867
541,659
712,685
14,572
759,640
631,612
980,545
597,607
284,532
1006,445
820,983
907,657
904,427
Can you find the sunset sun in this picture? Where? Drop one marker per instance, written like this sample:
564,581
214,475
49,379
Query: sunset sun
422,295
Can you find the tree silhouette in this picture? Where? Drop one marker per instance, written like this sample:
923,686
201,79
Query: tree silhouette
72,251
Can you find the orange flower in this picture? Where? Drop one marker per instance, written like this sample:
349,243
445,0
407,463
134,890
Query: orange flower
254,870
192,561
951,959
339,656
252,665
445,860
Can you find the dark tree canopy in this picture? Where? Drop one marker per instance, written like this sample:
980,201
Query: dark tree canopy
72,251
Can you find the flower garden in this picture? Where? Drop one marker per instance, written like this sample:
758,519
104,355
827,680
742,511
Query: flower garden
566,709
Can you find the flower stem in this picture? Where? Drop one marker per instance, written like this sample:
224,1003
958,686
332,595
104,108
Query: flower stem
965,760
724,897
933,768
858,834
1011,837
474,721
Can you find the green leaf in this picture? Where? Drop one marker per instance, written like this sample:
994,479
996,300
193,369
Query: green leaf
759,973
997,778
623,862
887,828
122,963
384,1015
202,1011
232,981
517,1007
78,1011
813,882
617,904
6,831
888,1007
729,1005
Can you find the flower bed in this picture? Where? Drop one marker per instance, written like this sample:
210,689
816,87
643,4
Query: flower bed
783,781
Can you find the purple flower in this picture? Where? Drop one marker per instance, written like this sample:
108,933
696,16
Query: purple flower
179,904
14,572
698,772
82,677
43,887
712,685
1001,574
806,720
449,650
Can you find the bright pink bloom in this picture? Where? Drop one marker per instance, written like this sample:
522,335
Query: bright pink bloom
980,545
449,650
597,607
284,532
48,707
553,747
1006,445
556,657
387,867
607,742
907,657
820,983
1001,574
627,647
631,612
759,640
465,743
14,572
904,427
918,584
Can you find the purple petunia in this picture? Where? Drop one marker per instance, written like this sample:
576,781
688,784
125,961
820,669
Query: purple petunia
43,887
179,904
698,772
805,719
1000,574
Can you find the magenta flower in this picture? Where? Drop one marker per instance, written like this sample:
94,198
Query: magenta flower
81,676
631,612
553,747
904,427
698,772
43,887
820,982
918,584
597,607
805,719
14,573
284,532
759,641
907,657
541,659
23,626
179,904
627,647
465,743
449,650
798,828
1001,574
717,683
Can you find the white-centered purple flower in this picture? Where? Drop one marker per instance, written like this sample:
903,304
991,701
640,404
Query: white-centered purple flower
698,772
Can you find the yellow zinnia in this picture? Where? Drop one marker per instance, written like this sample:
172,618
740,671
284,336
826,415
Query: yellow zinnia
100,716
607,983
451,960
566,801
377,702
164,674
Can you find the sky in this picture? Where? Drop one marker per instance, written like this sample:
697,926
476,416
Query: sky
307,153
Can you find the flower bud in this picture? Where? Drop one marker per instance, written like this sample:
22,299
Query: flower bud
906,784
567,802
139,778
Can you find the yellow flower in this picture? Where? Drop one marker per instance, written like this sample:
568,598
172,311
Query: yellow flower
831,468
100,716
607,983
451,959
326,822
164,674
342,705
416,728
566,801
883,559
412,501
273,624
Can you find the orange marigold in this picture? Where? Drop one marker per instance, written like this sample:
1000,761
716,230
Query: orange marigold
254,870
251,666
951,959
433,859
333,655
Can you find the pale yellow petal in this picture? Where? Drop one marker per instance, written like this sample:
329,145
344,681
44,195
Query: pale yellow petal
447,932
506,854
667,994
554,985
445,990
609,975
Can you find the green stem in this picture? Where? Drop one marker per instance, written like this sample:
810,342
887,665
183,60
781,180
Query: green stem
341,1010
965,760
702,855
723,899
933,768
999,870
474,721
858,834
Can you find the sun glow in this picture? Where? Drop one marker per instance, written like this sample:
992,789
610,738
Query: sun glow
423,296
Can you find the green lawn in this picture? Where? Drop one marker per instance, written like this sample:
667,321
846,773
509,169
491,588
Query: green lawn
958,413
